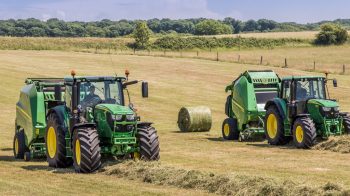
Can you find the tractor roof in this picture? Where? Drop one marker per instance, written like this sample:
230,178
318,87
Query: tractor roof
94,78
303,77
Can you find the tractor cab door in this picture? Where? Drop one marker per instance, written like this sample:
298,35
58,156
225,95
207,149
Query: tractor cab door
287,96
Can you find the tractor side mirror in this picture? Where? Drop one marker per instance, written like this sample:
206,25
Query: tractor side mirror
144,89
335,83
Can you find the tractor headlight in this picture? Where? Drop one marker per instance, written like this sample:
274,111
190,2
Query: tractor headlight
326,109
117,117
336,109
130,117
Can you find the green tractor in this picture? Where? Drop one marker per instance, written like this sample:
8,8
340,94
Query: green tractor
303,111
245,105
76,120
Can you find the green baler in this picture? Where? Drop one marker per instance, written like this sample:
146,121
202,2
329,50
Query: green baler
245,105
79,119
36,97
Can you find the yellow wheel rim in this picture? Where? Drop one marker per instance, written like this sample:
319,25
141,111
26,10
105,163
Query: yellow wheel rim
51,142
299,134
77,151
137,156
16,146
272,126
226,130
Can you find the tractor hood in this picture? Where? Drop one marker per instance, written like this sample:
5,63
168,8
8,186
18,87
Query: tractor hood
115,109
323,103
322,108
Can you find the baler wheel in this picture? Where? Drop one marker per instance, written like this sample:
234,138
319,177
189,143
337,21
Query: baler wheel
55,143
148,142
346,124
19,147
304,133
229,129
86,150
274,130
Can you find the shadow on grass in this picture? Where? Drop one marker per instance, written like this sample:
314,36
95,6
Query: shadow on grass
265,145
47,168
6,149
7,158
218,139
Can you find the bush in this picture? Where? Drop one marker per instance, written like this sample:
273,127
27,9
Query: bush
179,43
331,34
212,27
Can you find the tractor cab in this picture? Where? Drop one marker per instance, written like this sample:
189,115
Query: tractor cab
307,95
304,111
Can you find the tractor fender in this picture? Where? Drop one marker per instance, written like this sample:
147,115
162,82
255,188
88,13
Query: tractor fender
278,105
61,113
83,125
141,124
228,106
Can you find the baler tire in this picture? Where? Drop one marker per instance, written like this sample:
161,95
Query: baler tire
280,138
232,133
304,133
346,124
148,142
88,158
59,159
20,148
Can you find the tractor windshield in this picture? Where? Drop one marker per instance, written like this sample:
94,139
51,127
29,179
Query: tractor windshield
310,89
93,93
100,92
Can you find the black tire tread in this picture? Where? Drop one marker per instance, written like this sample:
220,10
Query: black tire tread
310,133
148,143
346,124
60,160
21,144
281,139
234,133
90,150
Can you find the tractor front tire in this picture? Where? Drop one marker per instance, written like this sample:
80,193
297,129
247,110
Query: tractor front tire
304,133
86,150
148,142
346,124
274,128
55,143
19,146
229,129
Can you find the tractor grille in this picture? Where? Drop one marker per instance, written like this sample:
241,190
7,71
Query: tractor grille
330,114
123,128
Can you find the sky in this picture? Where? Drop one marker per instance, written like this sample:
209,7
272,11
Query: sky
301,11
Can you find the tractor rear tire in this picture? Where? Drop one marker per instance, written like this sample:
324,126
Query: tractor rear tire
304,133
55,143
346,124
148,142
19,146
229,129
274,128
86,150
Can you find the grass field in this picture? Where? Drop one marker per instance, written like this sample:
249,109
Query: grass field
174,82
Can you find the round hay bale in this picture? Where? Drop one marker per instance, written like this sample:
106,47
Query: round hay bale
192,119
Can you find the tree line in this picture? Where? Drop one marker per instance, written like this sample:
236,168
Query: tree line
106,28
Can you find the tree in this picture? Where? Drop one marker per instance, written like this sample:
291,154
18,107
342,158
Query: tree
237,25
212,27
142,35
36,32
331,34
251,25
